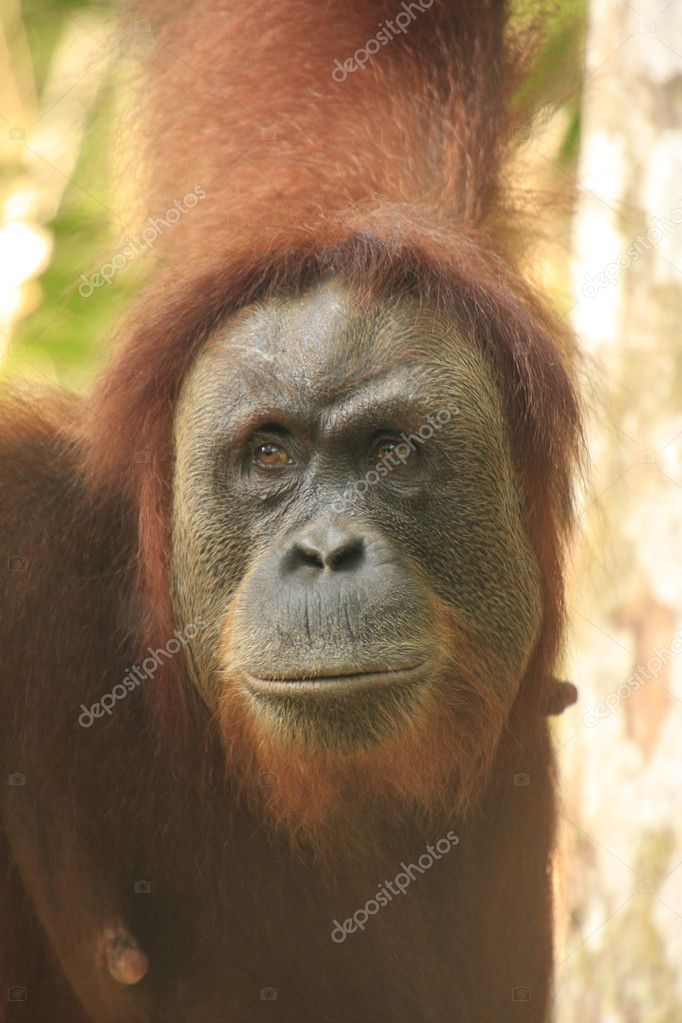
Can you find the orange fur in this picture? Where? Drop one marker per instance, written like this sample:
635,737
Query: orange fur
392,181
435,766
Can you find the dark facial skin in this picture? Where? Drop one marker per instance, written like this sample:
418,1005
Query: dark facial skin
316,530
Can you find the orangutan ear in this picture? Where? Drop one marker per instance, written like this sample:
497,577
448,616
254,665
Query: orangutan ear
561,696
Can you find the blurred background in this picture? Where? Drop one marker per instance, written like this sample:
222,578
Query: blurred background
606,161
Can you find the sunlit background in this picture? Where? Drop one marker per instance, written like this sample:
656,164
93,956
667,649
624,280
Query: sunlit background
62,67
606,161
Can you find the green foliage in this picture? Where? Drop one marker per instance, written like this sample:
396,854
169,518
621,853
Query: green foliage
64,329
556,78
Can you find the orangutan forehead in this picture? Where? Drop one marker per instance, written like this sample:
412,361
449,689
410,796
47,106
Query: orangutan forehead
331,341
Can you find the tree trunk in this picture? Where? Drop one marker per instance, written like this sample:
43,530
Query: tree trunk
619,954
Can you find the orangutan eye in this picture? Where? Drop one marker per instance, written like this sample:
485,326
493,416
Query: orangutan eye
384,448
389,447
271,455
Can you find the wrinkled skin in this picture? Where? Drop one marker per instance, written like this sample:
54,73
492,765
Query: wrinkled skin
314,543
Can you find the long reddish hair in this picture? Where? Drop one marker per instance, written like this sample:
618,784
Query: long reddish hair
392,179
